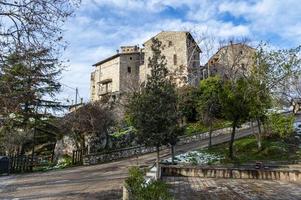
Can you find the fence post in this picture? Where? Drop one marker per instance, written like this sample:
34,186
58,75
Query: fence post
81,156
73,157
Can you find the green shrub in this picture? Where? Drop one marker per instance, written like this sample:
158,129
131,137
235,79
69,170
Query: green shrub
195,128
281,125
64,161
140,190
199,127
274,150
156,190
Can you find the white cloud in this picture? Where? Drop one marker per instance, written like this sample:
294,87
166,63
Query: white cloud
96,33
268,16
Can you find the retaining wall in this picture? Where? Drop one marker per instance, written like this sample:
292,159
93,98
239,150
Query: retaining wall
236,173
118,154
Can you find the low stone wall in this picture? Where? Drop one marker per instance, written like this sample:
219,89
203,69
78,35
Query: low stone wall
203,136
97,158
235,173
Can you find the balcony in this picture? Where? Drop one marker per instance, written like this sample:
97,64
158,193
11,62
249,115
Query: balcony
105,87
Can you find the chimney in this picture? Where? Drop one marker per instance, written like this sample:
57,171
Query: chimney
117,51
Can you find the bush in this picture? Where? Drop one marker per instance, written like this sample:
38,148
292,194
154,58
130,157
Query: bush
274,150
195,128
140,190
64,161
281,125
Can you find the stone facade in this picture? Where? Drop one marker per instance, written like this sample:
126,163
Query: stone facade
126,70
230,61
117,73
182,57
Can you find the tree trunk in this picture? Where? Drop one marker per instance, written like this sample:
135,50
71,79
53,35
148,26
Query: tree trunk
107,140
210,136
232,141
83,144
259,126
252,127
172,154
157,163
53,153
259,146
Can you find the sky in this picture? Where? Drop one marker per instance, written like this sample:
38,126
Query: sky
100,27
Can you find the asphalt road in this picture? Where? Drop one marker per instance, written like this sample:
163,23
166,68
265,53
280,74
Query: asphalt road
103,181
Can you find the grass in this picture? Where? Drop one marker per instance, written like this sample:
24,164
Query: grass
197,127
245,150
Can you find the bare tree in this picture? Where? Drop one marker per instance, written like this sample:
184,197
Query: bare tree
93,119
28,23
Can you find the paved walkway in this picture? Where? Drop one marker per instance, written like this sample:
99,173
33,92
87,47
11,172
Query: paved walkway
194,188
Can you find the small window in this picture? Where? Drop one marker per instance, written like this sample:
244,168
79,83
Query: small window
129,70
175,59
131,58
169,43
241,52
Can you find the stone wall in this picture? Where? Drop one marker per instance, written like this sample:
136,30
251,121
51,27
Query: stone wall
236,173
202,136
140,150
104,157
129,72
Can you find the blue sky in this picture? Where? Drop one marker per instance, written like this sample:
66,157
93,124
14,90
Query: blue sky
99,27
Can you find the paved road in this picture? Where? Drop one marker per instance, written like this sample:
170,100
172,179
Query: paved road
92,182
195,188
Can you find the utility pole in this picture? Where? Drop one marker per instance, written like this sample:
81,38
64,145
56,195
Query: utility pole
76,94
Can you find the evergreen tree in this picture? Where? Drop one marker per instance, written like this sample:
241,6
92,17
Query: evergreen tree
27,83
236,107
209,105
153,109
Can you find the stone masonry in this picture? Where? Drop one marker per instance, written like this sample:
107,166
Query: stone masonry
230,61
126,70
182,57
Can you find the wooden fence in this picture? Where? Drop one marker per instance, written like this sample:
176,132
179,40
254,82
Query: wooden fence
20,164
78,155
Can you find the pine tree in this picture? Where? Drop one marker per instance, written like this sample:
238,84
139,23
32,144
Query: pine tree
27,83
154,109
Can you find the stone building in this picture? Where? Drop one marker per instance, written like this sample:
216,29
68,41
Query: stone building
229,61
182,55
126,70
117,73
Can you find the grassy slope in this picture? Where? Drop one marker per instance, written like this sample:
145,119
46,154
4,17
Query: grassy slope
246,150
197,127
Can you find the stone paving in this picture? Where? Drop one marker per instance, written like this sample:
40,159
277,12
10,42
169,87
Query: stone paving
195,188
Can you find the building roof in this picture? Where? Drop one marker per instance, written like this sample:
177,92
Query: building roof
112,57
